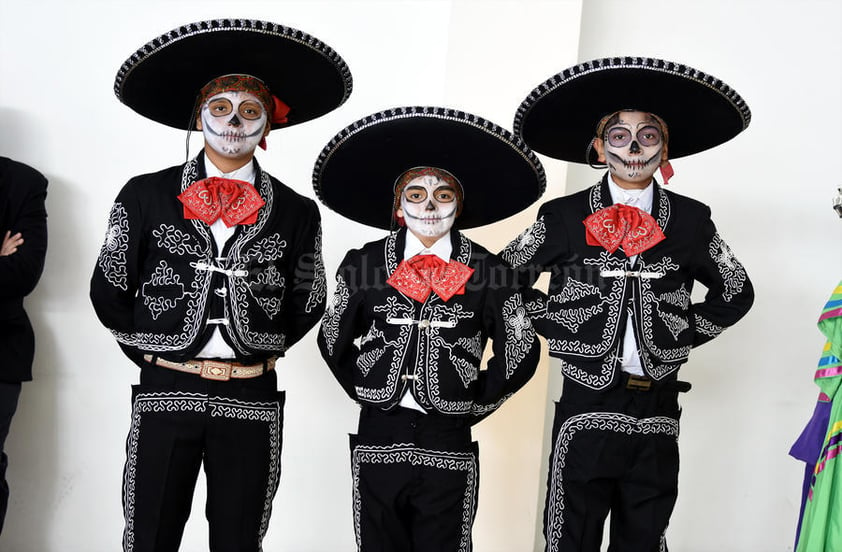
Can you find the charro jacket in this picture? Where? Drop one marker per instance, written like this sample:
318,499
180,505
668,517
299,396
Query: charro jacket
23,192
432,349
592,292
159,278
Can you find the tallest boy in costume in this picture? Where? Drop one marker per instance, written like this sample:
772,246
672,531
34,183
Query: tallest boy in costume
210,271
624,255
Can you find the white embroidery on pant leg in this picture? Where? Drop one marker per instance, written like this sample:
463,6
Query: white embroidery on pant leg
600,421
466,462
266,412
143,404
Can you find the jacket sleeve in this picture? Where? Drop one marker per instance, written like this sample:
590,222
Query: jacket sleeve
515,349
730,293
342,324
540,248
114,283
306,303
20,271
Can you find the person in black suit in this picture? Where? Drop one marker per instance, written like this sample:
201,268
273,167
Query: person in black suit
23,221
623,257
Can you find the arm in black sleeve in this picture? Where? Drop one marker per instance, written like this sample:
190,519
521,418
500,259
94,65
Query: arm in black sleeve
114,283
342,324
20,271
515,347
730,293
306,303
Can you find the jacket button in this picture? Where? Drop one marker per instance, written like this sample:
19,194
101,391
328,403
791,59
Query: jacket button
424,324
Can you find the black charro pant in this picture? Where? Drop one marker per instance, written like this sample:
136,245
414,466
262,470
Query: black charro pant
613,451
181,422
415,482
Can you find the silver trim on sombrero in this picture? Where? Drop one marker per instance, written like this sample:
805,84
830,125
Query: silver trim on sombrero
652,64
513,141
215,25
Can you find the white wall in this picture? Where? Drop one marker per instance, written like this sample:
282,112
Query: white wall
57,64
770,191
770,197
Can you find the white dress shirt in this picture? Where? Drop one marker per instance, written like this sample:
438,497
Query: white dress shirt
216,347
441,249
642,199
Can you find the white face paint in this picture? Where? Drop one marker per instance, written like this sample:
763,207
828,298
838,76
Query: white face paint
429,206
633,147
233,123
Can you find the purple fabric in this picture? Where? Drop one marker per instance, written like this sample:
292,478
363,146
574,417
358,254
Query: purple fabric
807,448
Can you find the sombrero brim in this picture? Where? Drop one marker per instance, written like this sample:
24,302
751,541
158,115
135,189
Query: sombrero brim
162,79
560,116
356,172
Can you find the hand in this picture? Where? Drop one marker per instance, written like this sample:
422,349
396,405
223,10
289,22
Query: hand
10,243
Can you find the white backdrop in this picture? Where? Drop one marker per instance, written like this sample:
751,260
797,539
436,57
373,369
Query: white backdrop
769,189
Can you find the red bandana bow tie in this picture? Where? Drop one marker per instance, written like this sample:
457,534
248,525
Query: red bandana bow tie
234,201
421,274
624,225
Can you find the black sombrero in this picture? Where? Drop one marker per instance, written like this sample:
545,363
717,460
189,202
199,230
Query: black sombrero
356,172
559,117
162,79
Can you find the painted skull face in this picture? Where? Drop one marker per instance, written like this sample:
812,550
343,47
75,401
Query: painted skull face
633,147
429,206
233,123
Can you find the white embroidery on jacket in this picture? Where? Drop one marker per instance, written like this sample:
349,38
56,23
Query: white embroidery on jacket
706,327
112,257
318,290
521,250
732,271
163,290
520,334
333,314
675,323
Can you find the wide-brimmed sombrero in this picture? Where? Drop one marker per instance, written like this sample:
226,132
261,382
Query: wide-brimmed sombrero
162,79
355,173
559,117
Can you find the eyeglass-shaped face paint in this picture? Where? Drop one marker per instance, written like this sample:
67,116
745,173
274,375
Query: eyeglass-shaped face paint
417,194
620,137
250,110
428,206
233,123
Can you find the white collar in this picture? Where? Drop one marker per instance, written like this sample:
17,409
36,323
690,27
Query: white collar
642,199
441,249
245,173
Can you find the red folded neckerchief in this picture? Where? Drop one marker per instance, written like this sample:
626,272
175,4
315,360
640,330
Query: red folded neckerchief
421,274
624,225
234,201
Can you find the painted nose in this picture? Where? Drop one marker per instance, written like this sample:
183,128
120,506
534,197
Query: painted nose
234,121
634,147
430,206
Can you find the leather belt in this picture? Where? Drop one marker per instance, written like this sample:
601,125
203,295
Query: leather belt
645,383
218,370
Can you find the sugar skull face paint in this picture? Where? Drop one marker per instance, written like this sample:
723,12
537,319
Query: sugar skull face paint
233,123
633,147
429,206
